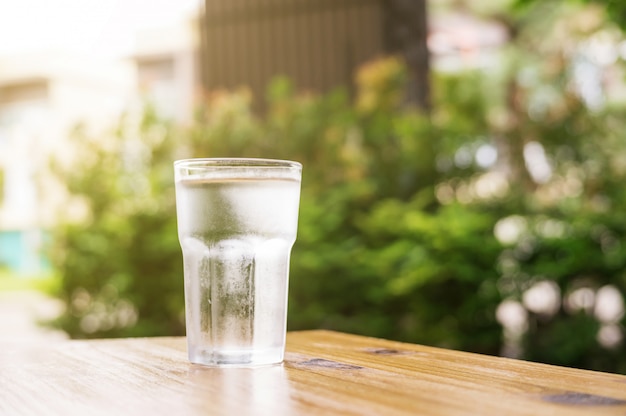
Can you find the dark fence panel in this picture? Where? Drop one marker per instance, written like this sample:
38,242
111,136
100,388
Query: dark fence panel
316,43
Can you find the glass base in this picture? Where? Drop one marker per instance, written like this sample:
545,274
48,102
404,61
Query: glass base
236,358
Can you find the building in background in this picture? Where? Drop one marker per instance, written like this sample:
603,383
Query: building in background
82,77
42,98
167,72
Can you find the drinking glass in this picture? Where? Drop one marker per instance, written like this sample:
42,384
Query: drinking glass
237,222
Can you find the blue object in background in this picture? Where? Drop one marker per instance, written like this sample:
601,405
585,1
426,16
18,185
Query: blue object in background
20,252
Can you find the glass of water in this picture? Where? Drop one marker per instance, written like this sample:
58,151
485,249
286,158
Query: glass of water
237,223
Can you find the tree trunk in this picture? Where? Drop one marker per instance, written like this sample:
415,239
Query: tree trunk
406,31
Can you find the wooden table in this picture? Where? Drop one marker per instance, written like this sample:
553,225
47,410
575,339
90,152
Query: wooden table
324,373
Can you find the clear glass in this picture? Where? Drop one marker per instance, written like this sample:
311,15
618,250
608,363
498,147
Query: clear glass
237,223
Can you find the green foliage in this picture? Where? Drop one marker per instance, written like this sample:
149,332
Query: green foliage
120,261
44,283
615,9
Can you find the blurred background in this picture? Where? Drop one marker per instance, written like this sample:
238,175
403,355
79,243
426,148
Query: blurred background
464,164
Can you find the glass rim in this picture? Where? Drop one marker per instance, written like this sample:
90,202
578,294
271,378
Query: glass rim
236,162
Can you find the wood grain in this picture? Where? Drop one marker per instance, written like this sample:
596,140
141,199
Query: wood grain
324,373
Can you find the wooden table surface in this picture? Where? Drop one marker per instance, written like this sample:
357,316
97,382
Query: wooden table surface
324,373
